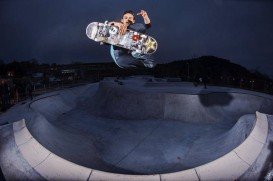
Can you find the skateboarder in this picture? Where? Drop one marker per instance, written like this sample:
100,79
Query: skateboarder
126,58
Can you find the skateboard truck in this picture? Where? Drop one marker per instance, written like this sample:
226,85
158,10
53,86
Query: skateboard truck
104,29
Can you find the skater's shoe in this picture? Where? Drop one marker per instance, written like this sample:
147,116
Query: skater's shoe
146,60
149,63
137,55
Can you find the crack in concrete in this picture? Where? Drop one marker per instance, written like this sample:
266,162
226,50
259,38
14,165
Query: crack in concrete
257,140
25,142
42,160
88,178
197,174
241,158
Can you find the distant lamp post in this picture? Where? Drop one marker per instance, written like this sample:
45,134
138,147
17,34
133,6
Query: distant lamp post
188,71
10,73
252,84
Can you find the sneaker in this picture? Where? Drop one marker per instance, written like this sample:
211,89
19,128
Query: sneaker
136,54
149,63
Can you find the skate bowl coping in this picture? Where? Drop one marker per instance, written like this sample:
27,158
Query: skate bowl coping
228,167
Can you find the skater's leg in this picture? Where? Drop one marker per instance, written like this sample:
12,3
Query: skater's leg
124,60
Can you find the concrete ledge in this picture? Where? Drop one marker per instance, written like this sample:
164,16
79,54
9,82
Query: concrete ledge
47,164
21,133
56,168
17,126
252,146
33,152
260,130
228,167
189,174
232,165
100,175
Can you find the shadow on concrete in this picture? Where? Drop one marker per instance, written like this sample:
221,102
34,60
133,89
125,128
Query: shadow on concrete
215,99
2,124
1,175
268,166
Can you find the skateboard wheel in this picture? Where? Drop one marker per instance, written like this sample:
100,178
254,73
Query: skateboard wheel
113,30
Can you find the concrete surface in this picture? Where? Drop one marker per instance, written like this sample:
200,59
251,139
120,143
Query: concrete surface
262,168
13,164
230,166
142,127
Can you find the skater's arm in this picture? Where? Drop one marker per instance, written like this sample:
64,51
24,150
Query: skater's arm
146,18
147,26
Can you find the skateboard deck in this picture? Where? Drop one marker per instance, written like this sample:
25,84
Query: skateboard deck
131,40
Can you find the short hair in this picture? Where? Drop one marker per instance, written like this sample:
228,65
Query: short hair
130,12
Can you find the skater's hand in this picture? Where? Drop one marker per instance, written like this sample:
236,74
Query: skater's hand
145,16
143,13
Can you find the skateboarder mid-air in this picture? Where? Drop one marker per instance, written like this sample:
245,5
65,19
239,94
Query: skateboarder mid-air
125,58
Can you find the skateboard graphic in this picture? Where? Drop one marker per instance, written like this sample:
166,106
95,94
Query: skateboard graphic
131,40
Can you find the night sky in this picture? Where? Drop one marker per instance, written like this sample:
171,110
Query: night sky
54,31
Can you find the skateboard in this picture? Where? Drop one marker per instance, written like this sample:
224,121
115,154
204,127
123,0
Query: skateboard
131,40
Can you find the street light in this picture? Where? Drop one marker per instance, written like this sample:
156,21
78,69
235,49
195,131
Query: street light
188,71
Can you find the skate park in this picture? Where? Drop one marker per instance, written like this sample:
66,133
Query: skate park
136,90
139,128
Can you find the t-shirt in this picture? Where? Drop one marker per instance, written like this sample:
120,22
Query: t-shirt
139,27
